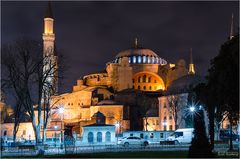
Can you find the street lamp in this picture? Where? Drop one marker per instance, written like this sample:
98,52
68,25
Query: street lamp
164,123
55,128
61,112
192,109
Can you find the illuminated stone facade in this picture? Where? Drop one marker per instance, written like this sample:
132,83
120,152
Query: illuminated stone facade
136,68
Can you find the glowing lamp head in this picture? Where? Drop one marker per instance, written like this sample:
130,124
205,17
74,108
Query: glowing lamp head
192,108
164,123
55,127
61,110
117,125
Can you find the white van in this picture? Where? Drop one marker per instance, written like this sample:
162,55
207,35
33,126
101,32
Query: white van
181,136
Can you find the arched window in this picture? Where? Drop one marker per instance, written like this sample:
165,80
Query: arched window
160,61
156,59
144,78
139,87
149,59
149,79
129,59
99,137
5,133
144,59
139,59
134,59
90,137
144,87
153,59
150,88
139,79
108,136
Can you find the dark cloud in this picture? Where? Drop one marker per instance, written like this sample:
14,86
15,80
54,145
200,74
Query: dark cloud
90,34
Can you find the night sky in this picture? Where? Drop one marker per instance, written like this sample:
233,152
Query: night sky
90,34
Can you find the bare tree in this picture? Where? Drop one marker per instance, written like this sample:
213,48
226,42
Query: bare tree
175,103
145,106
31,74
47,107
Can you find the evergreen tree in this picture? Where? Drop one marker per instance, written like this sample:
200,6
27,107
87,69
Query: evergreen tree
200,146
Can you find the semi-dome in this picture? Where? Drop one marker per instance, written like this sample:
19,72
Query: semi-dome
140,56
185,84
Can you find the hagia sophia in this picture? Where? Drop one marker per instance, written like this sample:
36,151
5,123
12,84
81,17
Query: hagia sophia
110,92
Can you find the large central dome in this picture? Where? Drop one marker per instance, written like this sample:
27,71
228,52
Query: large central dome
136,52
140,56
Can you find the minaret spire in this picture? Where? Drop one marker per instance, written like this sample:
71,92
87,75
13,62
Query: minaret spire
48,13
48,37
191,65
232,31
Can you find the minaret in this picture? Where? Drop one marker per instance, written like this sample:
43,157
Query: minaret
232,31
191,70
48,33
49,50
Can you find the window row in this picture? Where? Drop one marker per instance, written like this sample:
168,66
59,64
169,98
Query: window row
72,104
145,88
144,59
144,79
99,137
165,118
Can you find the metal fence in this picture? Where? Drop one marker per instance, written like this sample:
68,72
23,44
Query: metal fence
51,150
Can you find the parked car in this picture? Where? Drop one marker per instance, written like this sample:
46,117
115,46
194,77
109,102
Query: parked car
132,140
181,136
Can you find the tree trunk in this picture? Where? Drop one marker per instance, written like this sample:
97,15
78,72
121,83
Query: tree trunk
230,144
176,124
37,133
218,131
146,124
211,127
44,135
15,130
36,128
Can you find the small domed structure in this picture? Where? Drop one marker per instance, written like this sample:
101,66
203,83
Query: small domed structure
185,84
99,117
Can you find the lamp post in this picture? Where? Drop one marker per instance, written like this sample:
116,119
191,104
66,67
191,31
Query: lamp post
61,111
164,123
117,126
55,139
192,110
